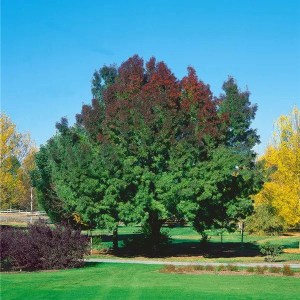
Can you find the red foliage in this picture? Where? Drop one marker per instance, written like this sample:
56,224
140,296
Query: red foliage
153,94
197,98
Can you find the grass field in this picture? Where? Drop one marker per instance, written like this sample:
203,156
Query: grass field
185,246
122,281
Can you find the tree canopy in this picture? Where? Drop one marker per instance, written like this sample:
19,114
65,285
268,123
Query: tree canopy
16,162
282,160
152,147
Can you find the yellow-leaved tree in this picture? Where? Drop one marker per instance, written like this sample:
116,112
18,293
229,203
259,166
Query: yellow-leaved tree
16,162
282,158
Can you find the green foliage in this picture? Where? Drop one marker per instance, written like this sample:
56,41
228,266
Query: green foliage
150,148
265,220
270,251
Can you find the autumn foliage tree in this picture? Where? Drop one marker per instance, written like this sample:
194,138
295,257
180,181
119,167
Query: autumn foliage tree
16,162
164,147
282,160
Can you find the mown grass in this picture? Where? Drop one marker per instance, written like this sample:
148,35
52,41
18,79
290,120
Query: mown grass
123,281
185,245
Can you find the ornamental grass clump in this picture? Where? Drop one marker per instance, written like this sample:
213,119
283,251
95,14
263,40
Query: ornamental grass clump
232,268
287,271
209,268
260,270
274,269
221,268
250,269
168,269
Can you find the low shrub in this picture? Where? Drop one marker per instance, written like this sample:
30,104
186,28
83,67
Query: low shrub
41,247
274,269
199,268
270,251
204,240
168,269
221,268
209,268
232,268
250,269
287,271
260,270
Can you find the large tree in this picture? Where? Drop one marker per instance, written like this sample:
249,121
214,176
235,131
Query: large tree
282,160
164,148
16,162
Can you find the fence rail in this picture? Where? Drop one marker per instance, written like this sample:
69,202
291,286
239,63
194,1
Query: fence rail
18,211
15,216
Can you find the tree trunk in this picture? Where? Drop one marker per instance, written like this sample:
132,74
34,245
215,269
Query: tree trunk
242,232
155,225
115,239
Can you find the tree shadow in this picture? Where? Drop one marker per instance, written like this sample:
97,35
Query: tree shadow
185,248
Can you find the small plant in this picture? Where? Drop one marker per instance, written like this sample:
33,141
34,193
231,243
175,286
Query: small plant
187,269
260,270
199,268
250,270
204,239
274,269
168,269
221,268
97,242
232,268
270,251
287,271
209,268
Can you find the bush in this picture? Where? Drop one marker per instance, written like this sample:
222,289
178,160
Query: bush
270,251
209,268
250,269
221,268
168,269
204,239
232,268
260,270
199,268
274,269
41,247
265,220
287,271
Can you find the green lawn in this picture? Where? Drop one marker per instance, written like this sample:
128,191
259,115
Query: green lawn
185,245
123,281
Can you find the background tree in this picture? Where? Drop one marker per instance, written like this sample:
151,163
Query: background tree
16,162
282,159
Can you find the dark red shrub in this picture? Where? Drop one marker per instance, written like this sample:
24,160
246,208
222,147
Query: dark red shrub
41,247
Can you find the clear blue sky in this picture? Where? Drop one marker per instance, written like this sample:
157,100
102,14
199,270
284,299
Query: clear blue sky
50,49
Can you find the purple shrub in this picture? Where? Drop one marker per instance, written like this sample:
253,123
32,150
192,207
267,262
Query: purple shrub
42,247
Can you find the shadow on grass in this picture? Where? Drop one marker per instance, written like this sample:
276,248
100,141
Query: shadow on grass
186,248
91,264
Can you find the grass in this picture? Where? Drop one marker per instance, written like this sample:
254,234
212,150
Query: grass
123,281
185,246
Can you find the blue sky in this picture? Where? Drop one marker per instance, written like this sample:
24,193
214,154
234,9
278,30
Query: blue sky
50,49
